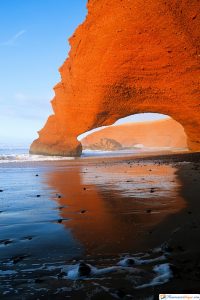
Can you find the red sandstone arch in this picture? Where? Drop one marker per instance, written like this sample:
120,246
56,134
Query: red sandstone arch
130,57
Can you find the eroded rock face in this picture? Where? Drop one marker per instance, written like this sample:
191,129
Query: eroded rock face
128,57
162,133
103,143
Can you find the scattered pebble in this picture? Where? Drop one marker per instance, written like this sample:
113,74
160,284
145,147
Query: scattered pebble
5,242
28,238
194,226
39,280
61,207
176,271
169,249
130,261
120,293
84,269
180,248
18,258
61,275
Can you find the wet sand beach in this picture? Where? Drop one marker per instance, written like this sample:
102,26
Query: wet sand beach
100,228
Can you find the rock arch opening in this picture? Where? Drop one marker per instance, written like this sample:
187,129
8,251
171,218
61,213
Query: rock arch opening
144,131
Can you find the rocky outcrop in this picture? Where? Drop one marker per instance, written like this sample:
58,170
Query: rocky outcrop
104,143
162,133
127,57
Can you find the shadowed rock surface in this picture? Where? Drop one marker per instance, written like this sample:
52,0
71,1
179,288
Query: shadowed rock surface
126,58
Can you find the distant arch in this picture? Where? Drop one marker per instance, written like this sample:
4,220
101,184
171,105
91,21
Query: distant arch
146,129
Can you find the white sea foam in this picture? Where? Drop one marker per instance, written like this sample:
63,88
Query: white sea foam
28,158
9,155
163,273
20,154
138,261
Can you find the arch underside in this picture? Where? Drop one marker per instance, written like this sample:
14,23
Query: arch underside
127,61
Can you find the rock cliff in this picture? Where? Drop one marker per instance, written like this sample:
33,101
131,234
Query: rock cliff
162,133
128,57
102,143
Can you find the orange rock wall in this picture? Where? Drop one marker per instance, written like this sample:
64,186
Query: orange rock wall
162,133
128,57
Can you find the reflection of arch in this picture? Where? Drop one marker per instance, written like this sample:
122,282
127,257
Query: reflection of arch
114,201
122,63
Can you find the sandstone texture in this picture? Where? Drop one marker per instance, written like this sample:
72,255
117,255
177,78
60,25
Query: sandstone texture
162,133
101,143
128,57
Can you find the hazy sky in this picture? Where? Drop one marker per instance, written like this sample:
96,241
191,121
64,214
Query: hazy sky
33,44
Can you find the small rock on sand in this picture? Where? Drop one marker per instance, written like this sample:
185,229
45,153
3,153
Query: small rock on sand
130,262
84,269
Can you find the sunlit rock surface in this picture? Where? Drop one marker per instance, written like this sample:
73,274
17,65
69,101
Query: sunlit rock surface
162,133
128,57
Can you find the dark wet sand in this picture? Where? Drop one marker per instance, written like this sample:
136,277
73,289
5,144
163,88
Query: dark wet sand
99,211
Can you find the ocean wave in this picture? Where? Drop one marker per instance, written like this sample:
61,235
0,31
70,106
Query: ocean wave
9,158
8,155
22,155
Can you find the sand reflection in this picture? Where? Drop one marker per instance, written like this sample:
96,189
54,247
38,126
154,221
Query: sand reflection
112,208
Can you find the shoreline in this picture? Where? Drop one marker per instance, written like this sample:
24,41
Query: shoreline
168,217
155,155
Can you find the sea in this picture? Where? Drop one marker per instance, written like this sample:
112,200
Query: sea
21,154
18,154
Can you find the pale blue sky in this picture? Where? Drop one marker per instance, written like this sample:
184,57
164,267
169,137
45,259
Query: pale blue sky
33,45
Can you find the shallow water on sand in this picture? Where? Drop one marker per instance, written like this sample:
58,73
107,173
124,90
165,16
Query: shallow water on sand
54,216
